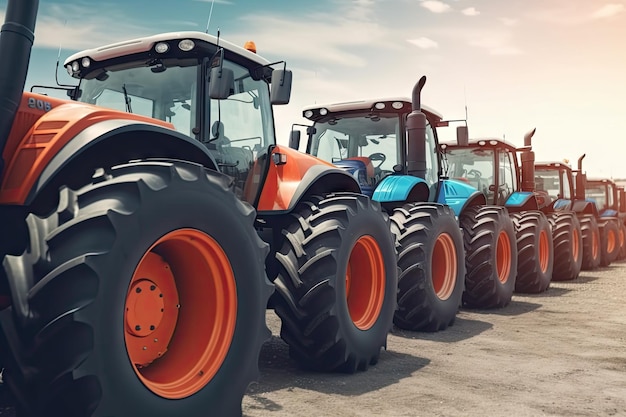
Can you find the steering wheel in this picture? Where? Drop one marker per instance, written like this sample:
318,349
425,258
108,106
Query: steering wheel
475,173
378,156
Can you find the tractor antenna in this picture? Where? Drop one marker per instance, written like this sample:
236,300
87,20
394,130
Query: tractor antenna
56,70
465,99
210,14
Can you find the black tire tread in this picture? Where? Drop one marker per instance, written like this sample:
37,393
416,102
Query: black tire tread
566,266
528,226
58,340
307,289
481,227
414,227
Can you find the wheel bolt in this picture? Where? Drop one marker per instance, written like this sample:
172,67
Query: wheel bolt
137,327
152,287
152,327
138,290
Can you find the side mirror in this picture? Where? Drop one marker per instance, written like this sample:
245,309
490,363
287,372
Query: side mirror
294,139
281,86
462,136
221,83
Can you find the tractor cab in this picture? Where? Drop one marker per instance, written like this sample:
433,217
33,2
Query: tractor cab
209,90
488,165
368,138
603,192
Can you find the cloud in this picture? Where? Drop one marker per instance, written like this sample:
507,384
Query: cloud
507,21
423,43
608,10
338,37
76,27
495,42
470,11
436,6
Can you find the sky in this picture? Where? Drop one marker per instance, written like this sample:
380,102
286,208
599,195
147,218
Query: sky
511,65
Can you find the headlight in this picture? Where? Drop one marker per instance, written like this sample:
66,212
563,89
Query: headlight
323,111
75,66
308,114
85,62
186,45
161,47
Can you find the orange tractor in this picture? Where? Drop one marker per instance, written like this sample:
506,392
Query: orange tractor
603,192
140,222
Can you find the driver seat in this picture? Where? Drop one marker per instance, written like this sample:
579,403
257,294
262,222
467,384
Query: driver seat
369,167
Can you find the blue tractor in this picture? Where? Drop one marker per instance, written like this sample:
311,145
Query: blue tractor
391,147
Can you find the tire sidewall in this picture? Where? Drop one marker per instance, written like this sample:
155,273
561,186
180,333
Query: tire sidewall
210,210
369,221
445,224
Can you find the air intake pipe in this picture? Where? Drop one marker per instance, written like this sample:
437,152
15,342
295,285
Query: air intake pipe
16,41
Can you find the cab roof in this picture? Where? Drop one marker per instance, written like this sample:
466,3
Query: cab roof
484,142
368,104
145,44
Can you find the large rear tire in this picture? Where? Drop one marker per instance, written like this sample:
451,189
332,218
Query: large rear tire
568,245
337,283
432,267
535,251
592,242
149,298
622,241
610,242
490,256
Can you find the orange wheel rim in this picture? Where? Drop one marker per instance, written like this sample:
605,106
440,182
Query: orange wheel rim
444,268
365,282
503,257
180,313
595,245
575,245
611,241
544,251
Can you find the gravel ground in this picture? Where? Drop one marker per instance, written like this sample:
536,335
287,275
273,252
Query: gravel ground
560,353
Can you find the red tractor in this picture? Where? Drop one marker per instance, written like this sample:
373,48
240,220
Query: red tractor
603,193
492,166
562,188
140,222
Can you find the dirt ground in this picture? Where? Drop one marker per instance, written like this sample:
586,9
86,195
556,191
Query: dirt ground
560,353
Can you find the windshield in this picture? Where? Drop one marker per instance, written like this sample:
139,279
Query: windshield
554,182
472,166
596,193
236,130
167,95
372,138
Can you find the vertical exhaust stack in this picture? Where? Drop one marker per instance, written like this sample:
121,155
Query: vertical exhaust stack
528,163
581,180
16,41
416,134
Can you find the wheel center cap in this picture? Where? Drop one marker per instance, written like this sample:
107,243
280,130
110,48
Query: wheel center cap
144,308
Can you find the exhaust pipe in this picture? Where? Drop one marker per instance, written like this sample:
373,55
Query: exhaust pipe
16,41
528,163
416,133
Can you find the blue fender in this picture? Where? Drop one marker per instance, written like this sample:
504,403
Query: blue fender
609,213
562,204
457,194
395,188
518,199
